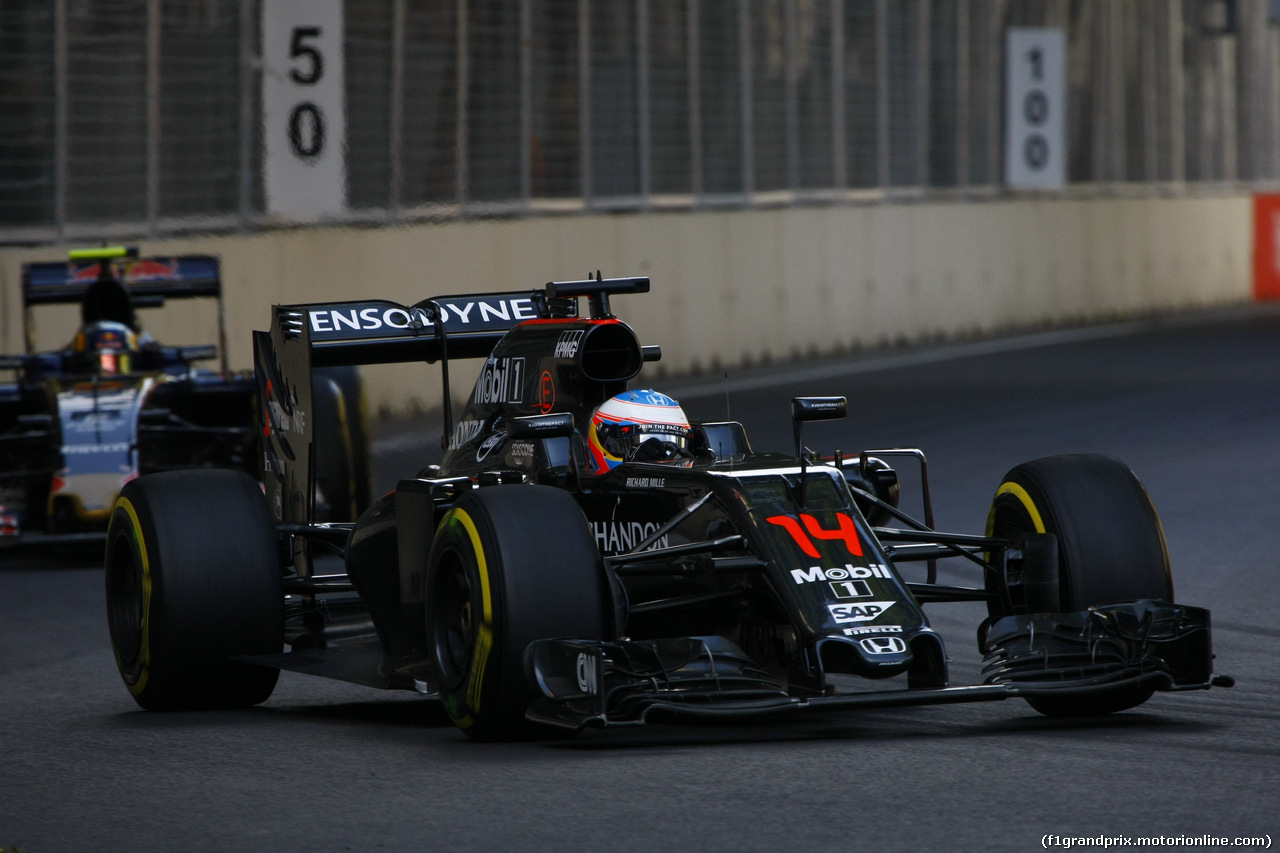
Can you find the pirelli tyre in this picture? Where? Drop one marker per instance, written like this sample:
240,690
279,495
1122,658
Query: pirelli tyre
1111,546
343,467
508,565
192,582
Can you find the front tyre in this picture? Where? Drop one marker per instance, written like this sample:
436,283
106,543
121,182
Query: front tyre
193,581
1111,547
509,565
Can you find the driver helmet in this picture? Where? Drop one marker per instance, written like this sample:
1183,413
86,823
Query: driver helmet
107,299
638,426
106,347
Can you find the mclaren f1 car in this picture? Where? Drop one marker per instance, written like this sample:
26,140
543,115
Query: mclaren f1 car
79,422
574,561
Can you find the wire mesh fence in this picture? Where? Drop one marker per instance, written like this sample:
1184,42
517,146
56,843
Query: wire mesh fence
144,116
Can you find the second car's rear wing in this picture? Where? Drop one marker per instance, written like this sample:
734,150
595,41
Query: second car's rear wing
149,281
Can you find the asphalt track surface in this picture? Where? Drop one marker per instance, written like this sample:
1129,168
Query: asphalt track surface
1191,403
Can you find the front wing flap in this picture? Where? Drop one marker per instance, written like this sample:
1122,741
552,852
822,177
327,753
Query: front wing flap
589,682
1165,643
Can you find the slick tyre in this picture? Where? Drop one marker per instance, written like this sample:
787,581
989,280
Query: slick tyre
1111,546
343,466
508,565
192,582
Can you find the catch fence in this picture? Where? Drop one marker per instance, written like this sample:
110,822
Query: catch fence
123,118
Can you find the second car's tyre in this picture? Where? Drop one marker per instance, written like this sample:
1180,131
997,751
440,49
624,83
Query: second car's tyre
508,565
1111,546
193,581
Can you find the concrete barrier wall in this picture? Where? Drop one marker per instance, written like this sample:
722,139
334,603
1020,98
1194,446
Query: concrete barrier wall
734,286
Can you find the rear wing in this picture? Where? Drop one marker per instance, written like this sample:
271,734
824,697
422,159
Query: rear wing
379,332
149,281
330,334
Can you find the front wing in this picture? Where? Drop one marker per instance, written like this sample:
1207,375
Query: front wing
592,683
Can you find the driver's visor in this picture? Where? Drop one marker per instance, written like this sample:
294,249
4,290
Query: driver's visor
113,361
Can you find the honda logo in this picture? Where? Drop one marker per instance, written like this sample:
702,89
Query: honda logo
883,645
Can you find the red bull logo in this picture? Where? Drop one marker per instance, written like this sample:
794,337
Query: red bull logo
86,273
135,272
10,522
109,339
151,269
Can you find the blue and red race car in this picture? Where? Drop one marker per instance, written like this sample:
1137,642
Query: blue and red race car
80,422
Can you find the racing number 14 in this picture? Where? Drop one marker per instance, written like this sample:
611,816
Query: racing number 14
844,531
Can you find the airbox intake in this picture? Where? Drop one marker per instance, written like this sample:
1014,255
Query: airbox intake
609,352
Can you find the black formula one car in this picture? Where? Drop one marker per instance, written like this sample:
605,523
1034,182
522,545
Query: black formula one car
80,422
569,564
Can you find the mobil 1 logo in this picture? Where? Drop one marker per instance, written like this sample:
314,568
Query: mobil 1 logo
850,589
1035,108
303,105
501,381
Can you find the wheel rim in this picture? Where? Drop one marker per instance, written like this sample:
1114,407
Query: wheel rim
453,622
125,600
1009,521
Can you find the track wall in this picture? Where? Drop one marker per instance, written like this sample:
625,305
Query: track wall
734,286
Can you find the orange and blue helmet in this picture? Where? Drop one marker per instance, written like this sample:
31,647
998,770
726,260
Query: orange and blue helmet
638,426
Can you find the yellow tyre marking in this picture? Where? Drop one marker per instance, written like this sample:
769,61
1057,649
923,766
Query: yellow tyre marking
1023,498
140,549
484,632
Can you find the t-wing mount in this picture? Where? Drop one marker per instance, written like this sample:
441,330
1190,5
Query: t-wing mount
813,409
597,291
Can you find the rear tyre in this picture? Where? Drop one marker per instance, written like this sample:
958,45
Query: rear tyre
192,581
1111,546
508,565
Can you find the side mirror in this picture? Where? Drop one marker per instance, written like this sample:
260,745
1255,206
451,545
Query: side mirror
819,408
815,409
198,353
721,440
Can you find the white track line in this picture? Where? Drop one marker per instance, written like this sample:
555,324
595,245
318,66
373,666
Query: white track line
951,352
760,378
